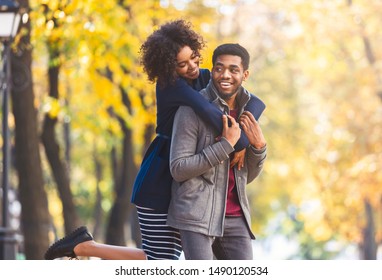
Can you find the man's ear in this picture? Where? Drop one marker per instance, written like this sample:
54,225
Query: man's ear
245,75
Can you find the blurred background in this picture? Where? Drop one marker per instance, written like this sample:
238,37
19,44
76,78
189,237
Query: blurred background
82,113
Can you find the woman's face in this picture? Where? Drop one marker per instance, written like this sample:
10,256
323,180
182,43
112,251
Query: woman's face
187,63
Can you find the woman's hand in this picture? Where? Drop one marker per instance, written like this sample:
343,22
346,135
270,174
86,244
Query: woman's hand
238,158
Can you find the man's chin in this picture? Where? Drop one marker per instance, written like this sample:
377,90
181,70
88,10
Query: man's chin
225,94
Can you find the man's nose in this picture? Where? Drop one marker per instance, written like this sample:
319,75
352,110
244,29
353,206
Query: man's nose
225,74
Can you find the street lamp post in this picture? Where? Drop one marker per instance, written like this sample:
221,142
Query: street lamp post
9,23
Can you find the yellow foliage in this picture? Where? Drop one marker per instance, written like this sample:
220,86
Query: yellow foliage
52,107
309,65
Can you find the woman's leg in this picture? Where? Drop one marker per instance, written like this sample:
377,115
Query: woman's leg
80,243
108,252
159,241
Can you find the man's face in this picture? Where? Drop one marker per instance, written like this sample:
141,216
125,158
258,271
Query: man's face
228,74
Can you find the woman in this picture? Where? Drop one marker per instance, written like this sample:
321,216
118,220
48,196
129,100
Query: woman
170,57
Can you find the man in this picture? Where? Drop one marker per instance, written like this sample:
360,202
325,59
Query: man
209,204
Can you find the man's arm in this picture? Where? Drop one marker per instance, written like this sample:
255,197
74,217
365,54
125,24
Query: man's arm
185,161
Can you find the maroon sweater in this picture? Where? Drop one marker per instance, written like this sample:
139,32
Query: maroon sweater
233,206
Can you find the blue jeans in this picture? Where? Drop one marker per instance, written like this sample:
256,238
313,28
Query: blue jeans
235,244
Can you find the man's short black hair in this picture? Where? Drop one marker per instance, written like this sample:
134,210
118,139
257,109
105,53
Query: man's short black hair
232,49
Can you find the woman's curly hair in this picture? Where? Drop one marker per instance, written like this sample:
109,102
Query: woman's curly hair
159,51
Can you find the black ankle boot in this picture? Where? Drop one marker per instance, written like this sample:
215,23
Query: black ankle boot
64,247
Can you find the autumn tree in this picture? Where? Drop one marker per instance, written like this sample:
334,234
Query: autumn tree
54,151
35,219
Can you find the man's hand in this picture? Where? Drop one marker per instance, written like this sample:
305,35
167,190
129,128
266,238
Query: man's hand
232,133
252,129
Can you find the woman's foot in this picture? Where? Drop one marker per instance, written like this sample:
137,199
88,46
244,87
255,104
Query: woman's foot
65,246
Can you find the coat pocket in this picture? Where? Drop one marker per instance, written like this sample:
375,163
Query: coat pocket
192,201
209,175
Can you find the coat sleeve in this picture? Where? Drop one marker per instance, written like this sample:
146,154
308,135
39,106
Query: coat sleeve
185,162
255,161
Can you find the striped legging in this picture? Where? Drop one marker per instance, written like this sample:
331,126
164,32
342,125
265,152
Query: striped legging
159,241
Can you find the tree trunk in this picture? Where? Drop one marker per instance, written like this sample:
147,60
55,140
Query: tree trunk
122,207
35,219
369,246
67,140
52,151
370,55
98,213
123,177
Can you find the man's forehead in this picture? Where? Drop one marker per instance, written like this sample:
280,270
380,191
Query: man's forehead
228,59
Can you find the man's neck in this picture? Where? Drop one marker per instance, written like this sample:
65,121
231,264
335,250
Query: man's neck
231,102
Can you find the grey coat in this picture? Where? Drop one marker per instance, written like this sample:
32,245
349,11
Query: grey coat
199,165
